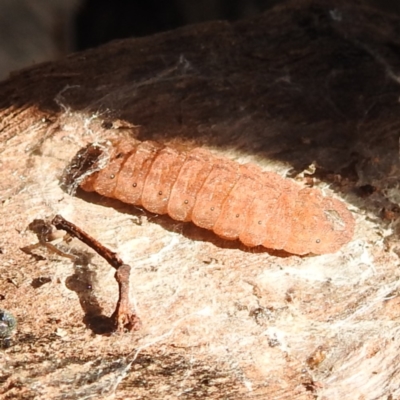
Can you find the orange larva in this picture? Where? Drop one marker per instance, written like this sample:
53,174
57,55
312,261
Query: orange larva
236,201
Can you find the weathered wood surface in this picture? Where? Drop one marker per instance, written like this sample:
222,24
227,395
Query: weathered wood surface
312,83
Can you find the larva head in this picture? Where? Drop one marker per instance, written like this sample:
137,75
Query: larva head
84,164
320,225
94,167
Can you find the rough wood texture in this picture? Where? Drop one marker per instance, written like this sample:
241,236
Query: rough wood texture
309,88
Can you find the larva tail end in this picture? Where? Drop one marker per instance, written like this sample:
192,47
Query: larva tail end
82,167
337,228
322,224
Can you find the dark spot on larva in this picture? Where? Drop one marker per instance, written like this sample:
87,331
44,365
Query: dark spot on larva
186,201
212,208
112,176
134,184
160,193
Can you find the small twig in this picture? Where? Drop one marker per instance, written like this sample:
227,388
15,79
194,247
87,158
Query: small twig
112,258
124,315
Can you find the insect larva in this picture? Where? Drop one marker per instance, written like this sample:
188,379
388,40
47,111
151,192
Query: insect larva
236,201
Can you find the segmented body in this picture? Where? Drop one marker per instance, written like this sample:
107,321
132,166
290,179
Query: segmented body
236,201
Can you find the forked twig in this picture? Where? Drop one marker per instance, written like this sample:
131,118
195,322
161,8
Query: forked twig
124,316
